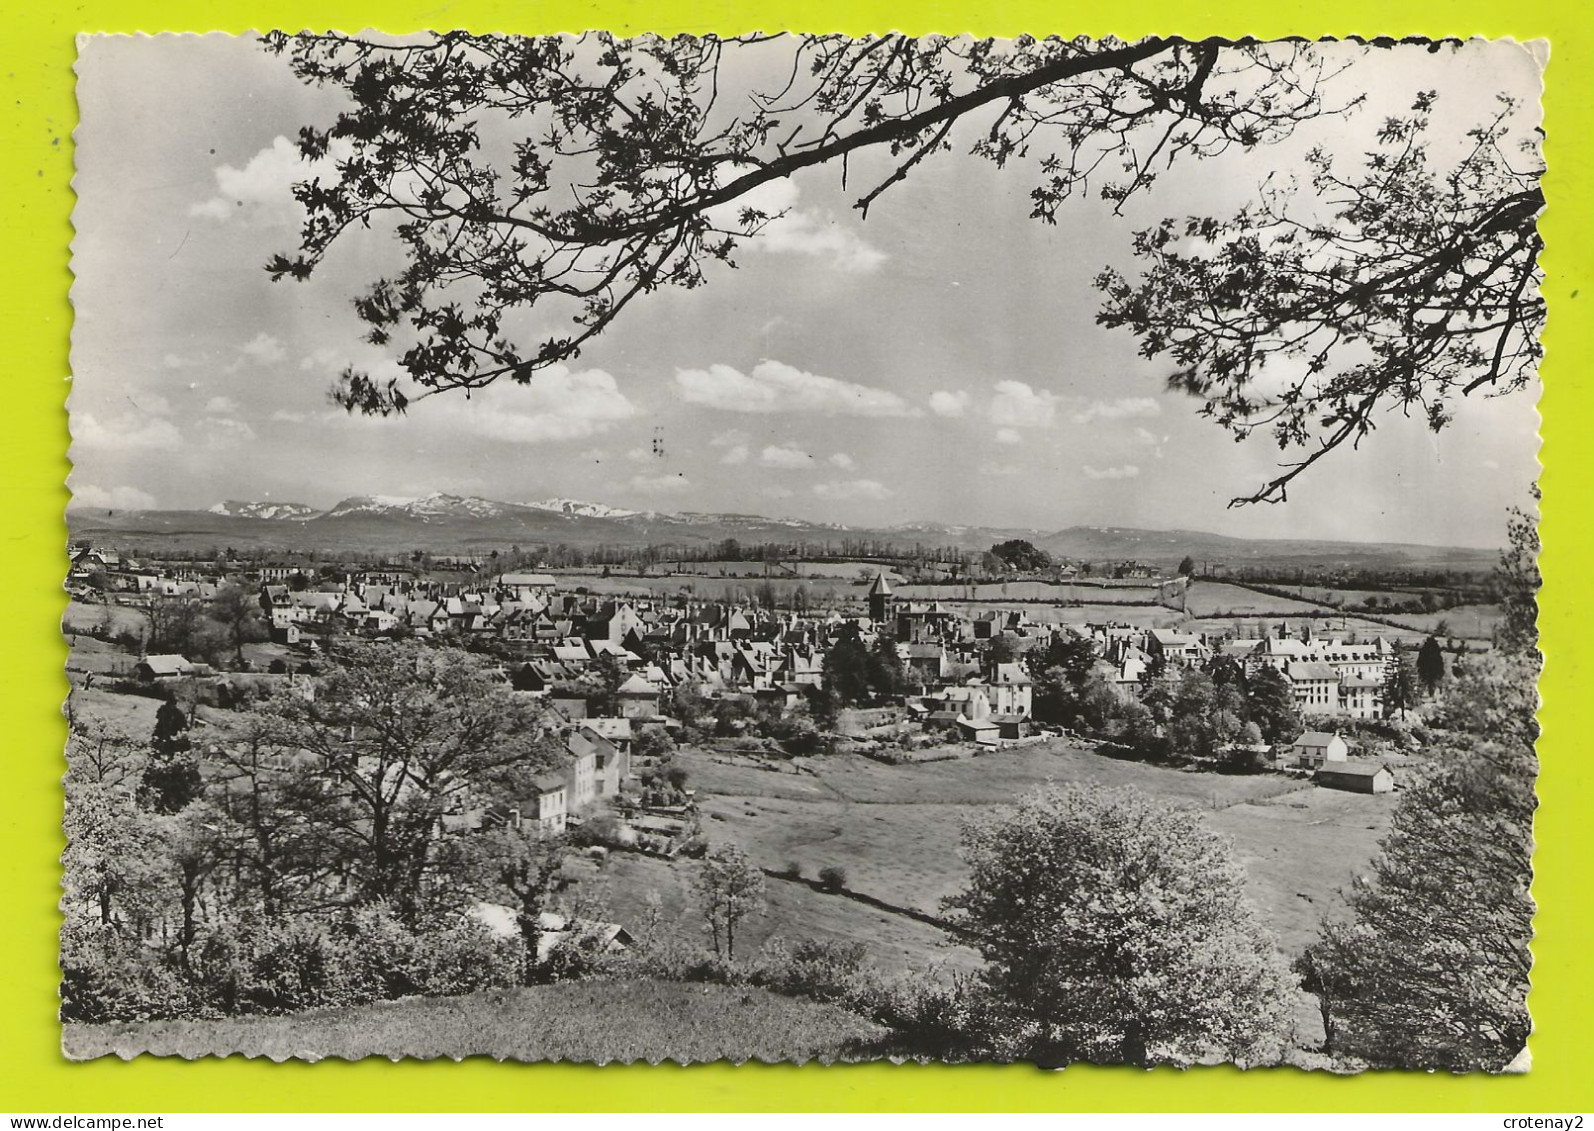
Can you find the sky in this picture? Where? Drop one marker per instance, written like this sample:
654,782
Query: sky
939,361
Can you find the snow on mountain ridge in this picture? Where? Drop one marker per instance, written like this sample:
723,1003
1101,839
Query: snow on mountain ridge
579,508
436,505
290,512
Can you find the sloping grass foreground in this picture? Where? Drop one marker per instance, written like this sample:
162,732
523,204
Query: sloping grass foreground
578,1021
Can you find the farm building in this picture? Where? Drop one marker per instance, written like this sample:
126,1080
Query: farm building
982,731
1357,777
154,668
1316,748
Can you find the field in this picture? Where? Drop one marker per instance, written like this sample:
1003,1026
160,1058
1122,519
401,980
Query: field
1220,599
575,1021
895,829
81,618
1465,622
1109,593
622,888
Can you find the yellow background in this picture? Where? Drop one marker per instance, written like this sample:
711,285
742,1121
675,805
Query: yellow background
39,114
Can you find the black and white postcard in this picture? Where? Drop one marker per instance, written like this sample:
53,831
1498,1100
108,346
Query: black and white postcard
798,547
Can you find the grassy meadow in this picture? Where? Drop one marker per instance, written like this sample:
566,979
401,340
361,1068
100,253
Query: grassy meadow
621,1021
895,829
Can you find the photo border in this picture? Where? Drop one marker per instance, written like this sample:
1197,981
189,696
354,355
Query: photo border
36,173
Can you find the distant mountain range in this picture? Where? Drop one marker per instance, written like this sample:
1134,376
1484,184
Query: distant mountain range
443,523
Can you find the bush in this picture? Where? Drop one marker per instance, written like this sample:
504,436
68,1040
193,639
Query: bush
576,957
832,878
602,831
826,970
107,976
793,870
677,960
281,966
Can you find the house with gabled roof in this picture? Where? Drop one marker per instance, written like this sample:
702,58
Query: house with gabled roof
1010,690
1316,748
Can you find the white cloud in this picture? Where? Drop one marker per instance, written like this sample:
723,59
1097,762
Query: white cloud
1119,409
660,484
222,433
843,461
1153,441
734,438
290,416
125,433
785,456
799,231
776,492
596,455
122,498
557,405
853,489
174,361
264,349
773,386
261,192
1127,471
735,455
213,209
991,467
1008,436
953,403
639,455
221,406
1015,404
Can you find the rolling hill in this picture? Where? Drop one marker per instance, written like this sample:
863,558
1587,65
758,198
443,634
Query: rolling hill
444,523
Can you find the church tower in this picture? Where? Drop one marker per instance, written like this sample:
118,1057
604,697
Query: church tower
880,600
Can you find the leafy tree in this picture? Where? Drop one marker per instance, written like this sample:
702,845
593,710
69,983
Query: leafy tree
1430,665
1270,704
1430,970
1002,649
281,850
886,674
1117,930
171,776
1518,581
608,675
1205,716
653,741
1495,697
1225,671
1186,566
616,179
1075,654
98,752
1405,284
687,703
856,674
729,889
237,610
1400,684
176,626
508,865
196,844
1022,556
400,735
112,864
